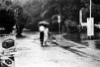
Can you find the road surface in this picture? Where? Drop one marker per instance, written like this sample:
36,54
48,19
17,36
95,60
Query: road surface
30,54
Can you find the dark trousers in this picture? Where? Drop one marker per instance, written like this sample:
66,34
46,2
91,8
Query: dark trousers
41,38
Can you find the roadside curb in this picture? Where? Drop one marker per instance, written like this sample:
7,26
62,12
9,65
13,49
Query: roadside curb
60,40
94,53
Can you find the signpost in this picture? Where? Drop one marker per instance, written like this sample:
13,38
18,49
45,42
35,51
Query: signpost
90,24
90,27
59,21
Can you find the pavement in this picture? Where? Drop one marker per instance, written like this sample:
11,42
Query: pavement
89,51
29,53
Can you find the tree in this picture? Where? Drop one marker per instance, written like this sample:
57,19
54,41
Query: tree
33,10
7,20
6,16
97,2
66,8
20,20
12,14
95,10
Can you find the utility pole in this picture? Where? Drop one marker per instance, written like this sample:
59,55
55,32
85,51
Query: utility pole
90,8
59,16
41,7
59,21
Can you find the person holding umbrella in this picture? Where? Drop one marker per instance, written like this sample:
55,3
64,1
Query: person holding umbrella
43,29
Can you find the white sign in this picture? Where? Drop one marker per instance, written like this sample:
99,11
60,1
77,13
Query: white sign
59,19
90,26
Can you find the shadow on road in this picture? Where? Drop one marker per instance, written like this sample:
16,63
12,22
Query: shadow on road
81,54
77,52
21,37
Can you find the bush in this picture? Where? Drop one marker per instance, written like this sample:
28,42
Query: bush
71,26
7,19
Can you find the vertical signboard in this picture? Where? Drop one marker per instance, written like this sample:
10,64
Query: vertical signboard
90,27
59,21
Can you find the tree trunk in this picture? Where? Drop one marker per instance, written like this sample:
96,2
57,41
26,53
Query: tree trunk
19,30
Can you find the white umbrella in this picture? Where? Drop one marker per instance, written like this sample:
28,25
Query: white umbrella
44,22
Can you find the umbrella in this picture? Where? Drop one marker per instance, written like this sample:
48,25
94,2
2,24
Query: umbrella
44,22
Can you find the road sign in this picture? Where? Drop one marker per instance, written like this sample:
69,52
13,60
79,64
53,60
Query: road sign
59,21
59,18
90,26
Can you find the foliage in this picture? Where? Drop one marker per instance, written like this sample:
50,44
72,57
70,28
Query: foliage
97,2
6,16
95,11
11,14
71,26
67,8
35,10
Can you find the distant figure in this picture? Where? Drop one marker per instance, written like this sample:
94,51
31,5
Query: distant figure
43,29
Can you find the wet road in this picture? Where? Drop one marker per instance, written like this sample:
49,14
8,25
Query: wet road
31,54
83,39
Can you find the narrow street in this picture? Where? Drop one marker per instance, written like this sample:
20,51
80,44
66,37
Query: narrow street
74,26
30,54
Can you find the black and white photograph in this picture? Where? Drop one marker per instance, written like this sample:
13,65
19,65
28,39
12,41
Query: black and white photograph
49,33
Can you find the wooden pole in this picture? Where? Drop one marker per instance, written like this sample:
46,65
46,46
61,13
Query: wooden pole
90,8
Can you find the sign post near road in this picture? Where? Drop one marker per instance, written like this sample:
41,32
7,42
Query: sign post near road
59,21
90,23
90,27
